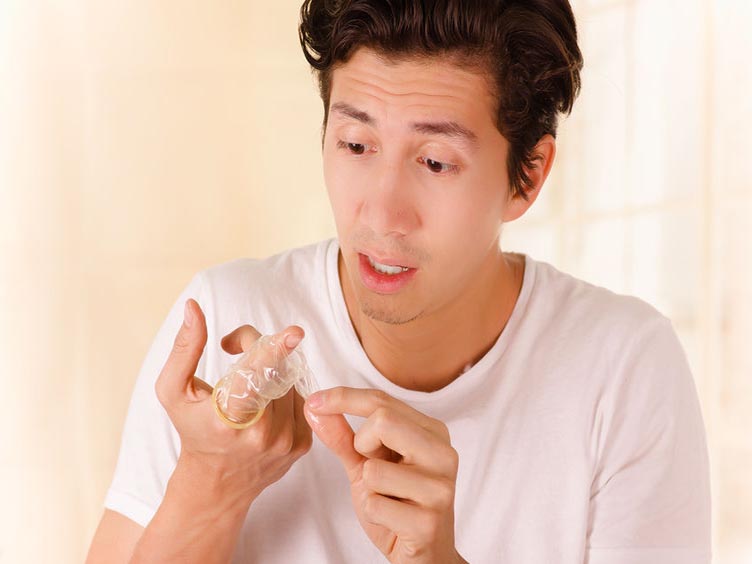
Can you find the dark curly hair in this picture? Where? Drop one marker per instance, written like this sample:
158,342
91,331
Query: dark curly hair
527,48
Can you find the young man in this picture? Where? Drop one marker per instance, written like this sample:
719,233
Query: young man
478,406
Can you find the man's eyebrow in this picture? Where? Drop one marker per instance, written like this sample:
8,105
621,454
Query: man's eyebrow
349,111
447,128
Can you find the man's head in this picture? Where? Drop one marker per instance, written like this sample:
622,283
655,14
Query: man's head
439,126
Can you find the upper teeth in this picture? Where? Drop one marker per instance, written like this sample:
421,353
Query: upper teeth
385,268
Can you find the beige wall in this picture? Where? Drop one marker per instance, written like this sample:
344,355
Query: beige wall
143,141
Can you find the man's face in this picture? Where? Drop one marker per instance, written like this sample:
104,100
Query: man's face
428,197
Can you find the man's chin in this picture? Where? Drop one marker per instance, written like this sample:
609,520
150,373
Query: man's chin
390,314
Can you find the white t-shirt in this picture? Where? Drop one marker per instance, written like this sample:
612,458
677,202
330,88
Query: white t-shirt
579,433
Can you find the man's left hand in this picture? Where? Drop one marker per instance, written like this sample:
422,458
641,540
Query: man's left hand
402,471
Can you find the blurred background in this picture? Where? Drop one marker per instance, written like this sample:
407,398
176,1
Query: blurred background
143,141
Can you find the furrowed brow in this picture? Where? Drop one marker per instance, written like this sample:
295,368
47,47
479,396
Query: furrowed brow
350,111
450,129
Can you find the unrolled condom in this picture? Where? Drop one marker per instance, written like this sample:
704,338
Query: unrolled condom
263,373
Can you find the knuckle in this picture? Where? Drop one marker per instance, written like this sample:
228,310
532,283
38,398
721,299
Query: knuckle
380,397
358,442
256,441
371,506
247,335
305,445
284,444
259,437
428,525
343,441
443,429
382,417
371,471
336,395
414,550
220,431
443,495
453,458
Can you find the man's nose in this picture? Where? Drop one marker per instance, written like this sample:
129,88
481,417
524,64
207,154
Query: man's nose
389,203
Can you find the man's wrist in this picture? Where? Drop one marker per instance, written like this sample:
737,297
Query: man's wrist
199,519
211,485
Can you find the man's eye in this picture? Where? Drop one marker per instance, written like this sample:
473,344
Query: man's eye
354,148
439,167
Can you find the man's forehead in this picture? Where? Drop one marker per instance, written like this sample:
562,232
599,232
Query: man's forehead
439,98
410,70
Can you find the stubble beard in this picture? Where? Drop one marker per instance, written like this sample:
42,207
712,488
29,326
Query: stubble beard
385,314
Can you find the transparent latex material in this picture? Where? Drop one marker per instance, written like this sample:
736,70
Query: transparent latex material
263,373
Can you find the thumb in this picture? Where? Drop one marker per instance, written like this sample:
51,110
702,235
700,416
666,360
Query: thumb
337,435
177,374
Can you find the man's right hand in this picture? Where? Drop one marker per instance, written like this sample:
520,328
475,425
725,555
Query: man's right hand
219,472
247,460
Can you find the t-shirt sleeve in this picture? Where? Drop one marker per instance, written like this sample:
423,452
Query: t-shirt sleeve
650,497
150,444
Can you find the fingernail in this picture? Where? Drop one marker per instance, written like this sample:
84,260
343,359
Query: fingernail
292,341
187,315
314,418
315,400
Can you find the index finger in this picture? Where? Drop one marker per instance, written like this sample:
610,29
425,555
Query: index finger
364,401
242,338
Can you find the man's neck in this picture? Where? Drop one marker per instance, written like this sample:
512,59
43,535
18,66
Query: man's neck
430,352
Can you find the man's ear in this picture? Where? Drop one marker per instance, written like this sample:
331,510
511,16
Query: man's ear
543,155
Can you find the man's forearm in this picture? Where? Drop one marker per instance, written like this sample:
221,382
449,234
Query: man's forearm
199,520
